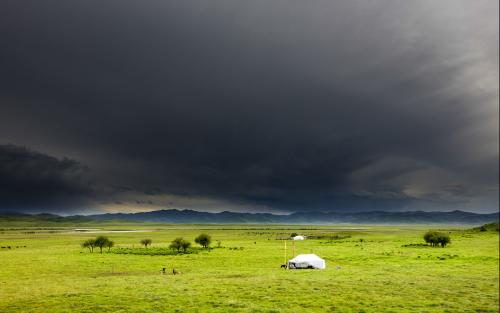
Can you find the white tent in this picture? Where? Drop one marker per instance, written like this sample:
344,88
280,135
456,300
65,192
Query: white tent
298,238
307,261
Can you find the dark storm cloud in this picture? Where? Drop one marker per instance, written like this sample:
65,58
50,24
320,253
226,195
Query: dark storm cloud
32,181
285,105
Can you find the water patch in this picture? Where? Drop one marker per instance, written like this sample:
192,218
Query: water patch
102,231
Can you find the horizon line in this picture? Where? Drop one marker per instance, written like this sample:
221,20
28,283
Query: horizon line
252,213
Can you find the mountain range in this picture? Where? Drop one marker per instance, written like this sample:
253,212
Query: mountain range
196,217
371,217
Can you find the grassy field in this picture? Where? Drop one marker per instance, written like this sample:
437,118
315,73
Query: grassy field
370,270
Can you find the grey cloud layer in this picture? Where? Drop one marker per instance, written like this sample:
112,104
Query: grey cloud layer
285,104
34,181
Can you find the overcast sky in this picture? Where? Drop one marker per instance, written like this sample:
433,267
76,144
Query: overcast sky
249,106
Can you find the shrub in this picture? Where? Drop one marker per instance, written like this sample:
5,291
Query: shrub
90,244
185,245
180,243
176,244
435,238
146,242
109,244
203,240
152,251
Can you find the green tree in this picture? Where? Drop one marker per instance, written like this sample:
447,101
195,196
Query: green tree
430,237
89,244
146,242
110,244
203,240
435,238
101,242
179,244
293,235
185,245
443,239
176,244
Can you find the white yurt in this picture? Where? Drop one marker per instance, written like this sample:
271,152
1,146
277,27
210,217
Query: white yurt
306,261
298,238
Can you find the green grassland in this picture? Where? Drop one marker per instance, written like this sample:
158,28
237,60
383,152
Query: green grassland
383,272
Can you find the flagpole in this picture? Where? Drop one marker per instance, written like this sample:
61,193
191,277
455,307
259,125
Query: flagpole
285,254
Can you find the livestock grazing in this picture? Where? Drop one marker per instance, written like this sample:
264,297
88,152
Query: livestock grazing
239,276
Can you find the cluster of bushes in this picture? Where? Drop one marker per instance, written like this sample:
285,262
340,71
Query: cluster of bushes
329,237
435,238
99,242
12,247
415,245
177,245
180,243
447,256
151,251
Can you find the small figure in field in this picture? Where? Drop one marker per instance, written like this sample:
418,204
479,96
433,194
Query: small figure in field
284,266
175,272
163,270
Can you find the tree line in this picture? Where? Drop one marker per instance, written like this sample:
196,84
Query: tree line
179,243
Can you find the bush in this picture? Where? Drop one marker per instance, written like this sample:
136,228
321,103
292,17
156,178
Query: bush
435,238
176,244
109,244
180,243
203,240
146,242
152,251
185,245
90,244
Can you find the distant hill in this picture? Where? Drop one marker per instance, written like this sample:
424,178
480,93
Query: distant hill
495,226
196,217
45,219
373,217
